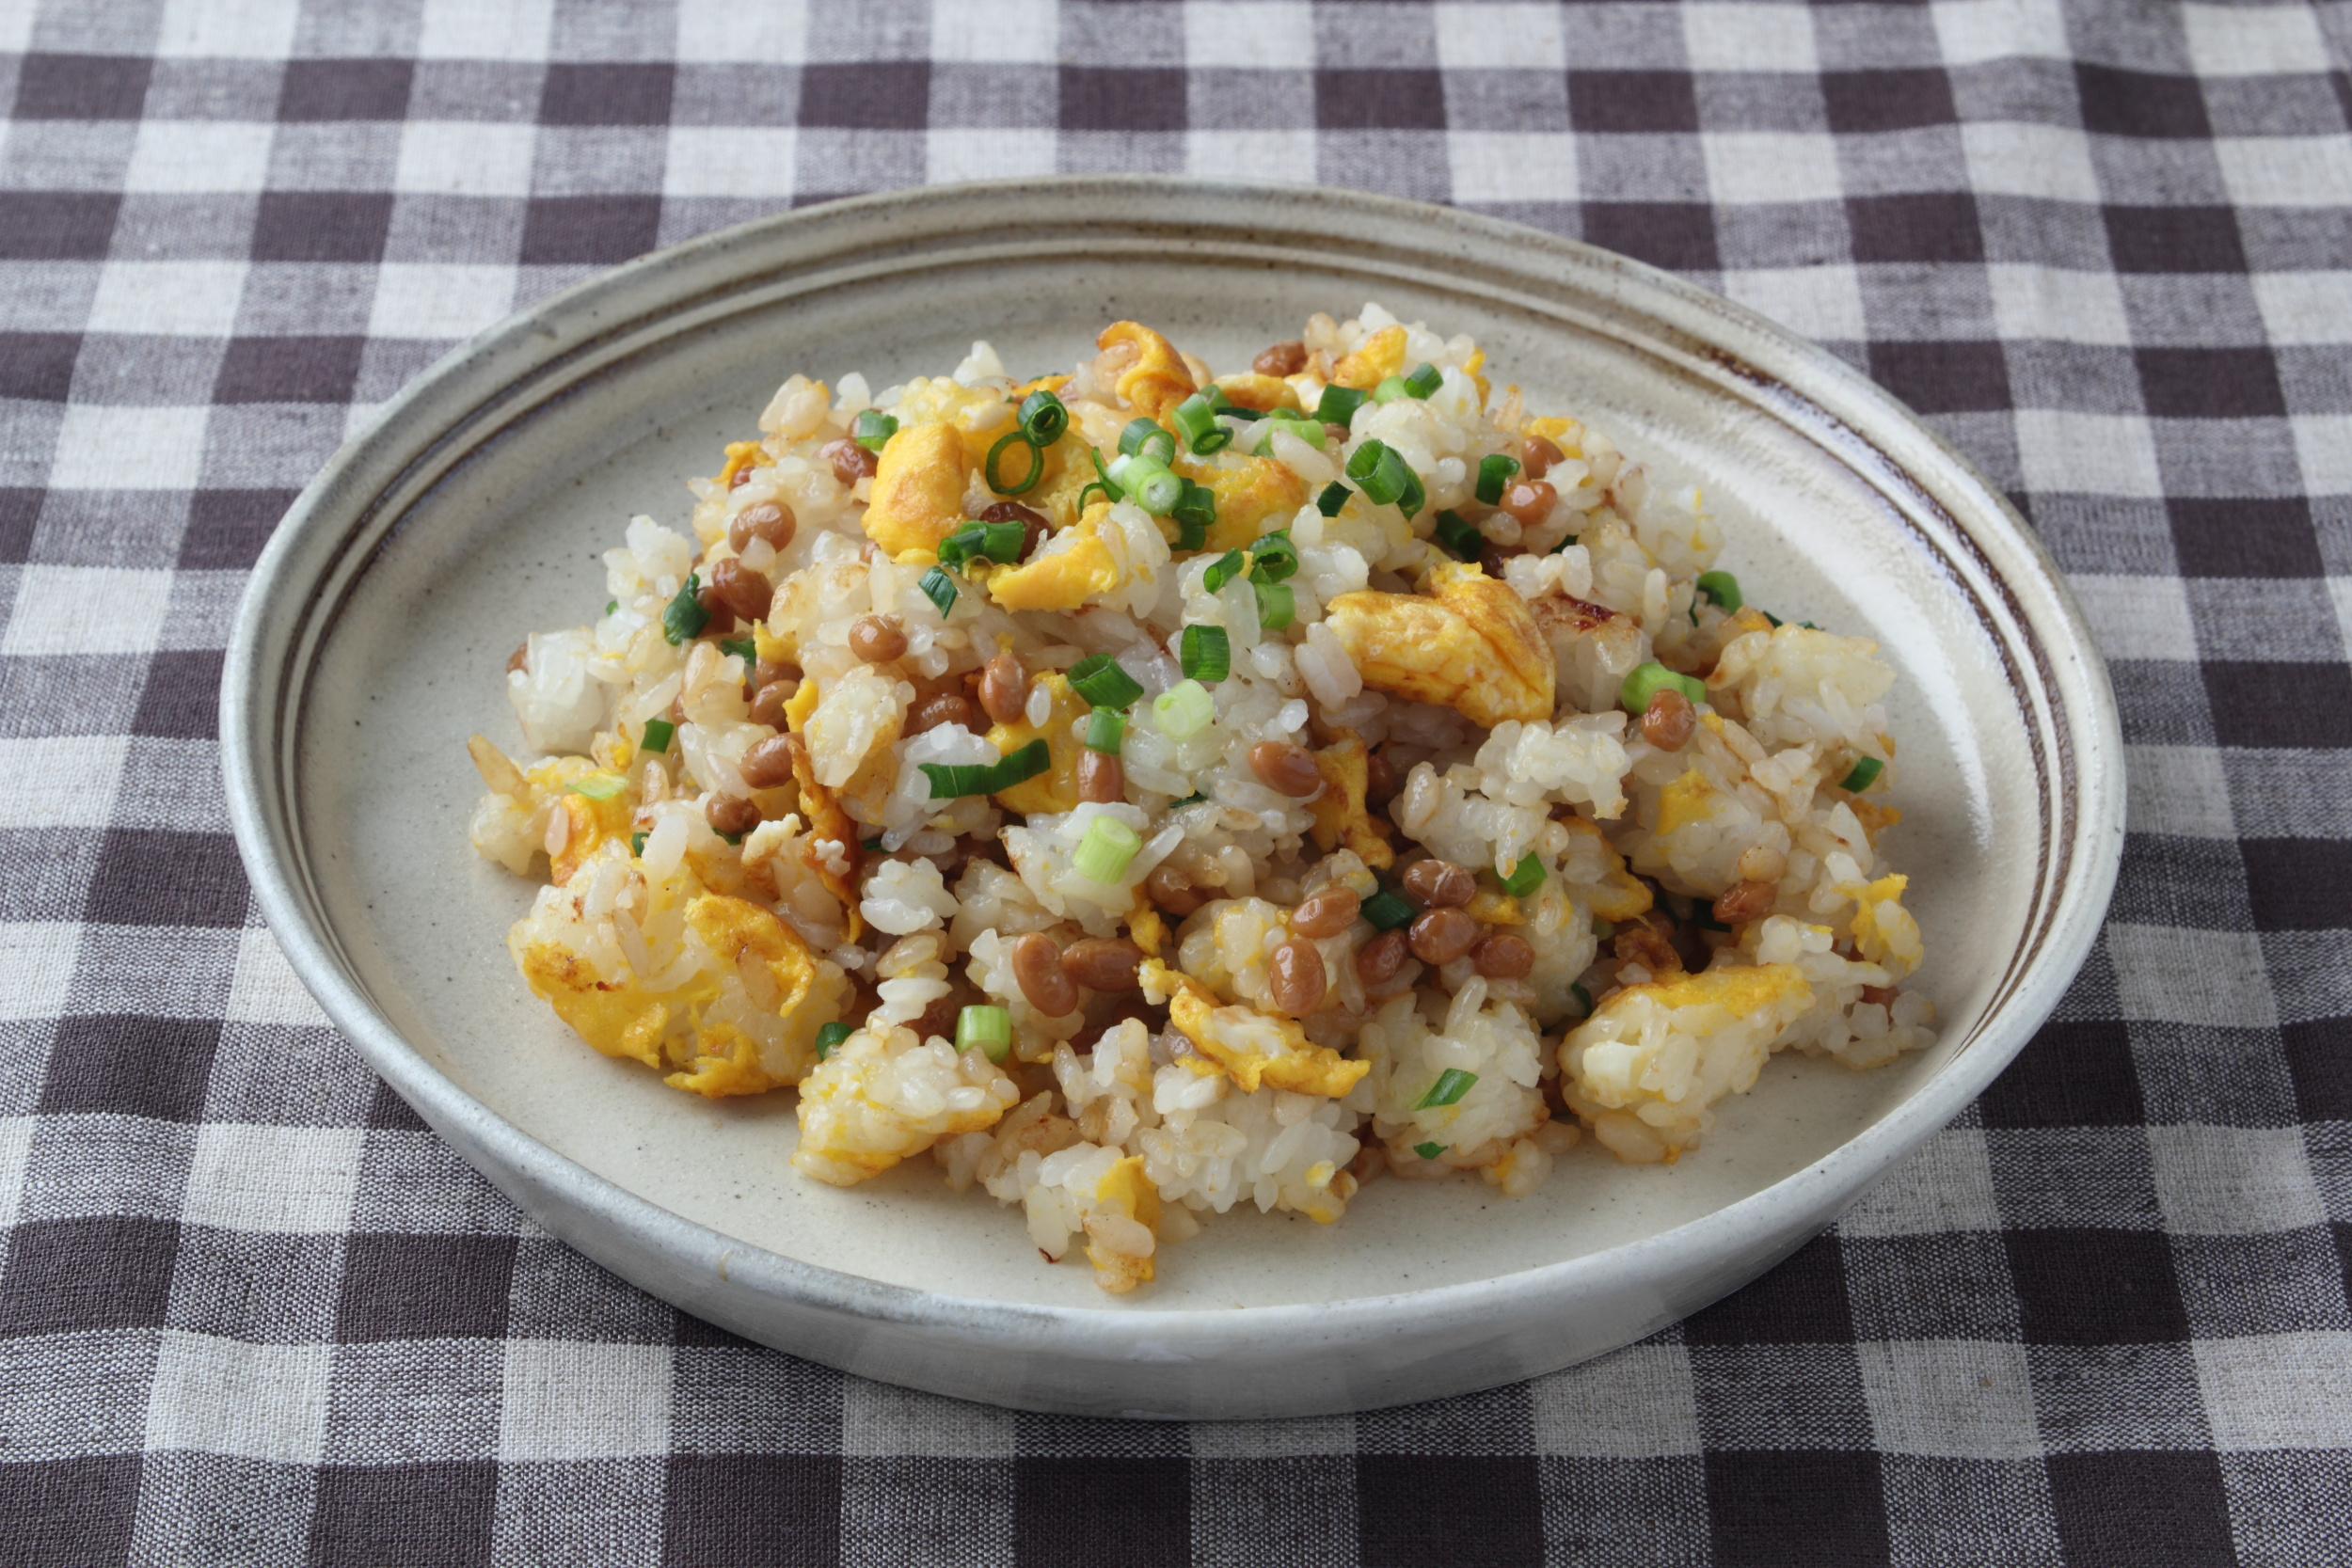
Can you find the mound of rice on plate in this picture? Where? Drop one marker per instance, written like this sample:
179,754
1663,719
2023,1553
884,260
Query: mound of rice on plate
1146,793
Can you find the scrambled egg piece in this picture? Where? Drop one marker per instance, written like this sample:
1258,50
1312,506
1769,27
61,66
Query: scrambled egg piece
1056,788
1252,1047
1248,493
1340,819
1690,798
1381,356
827,821
740,455
1264,393
696,1027
1884,931
918,491
880,1097
1147,372
1620,895
1126,1191
1471,645
1080,567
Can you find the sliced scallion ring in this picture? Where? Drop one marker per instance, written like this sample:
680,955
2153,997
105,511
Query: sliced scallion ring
987,1030
995,454
1333,498
1043,417
1864,774
1183,710
940,589
1425,380
951,779
1205,654
1338,405
1392,388
595,786
1451,1085
1224,569
1277,606
657,733
1494,472
1524,877
1107,731
873,428
1722,589
1273,556
1144,437
683,618
829,1038
1388,909
1105,851
1099,679
1459,538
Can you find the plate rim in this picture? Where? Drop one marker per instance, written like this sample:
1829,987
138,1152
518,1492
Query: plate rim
254,727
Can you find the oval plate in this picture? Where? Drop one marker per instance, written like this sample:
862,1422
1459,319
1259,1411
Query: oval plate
370,642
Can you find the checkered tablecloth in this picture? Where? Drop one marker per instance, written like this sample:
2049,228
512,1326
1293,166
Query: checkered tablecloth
251,1311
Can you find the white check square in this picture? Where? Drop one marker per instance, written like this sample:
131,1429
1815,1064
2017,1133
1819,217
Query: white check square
1746,38
2305,308
955,153
2134,617
2168,975
1250,154
471,30
2287,171
1824,302
228,1397
62,781
1579,1412
265,990
1771,166
2053,303
726,32
462,158
38,957
16,1147
2253,39
2006,158
1022,32
1977,32
88,609
1950,1399
744,164
882,1422
2181,791
96,438
567,1399
415,299
2322,444
189,299
249,30
1493,38
2234,1181
2267,1392
177,155
1512,165
2061,452
253,1176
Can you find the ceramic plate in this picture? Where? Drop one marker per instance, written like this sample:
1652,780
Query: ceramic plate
373,638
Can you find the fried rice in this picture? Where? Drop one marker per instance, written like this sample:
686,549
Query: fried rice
1146,793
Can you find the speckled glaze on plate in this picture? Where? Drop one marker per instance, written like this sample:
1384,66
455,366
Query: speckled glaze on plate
371,641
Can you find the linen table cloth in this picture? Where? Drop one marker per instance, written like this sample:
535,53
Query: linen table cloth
251,1311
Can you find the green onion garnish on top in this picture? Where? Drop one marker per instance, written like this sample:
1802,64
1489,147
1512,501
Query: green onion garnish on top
1102,475
1382,473
683,618
987,1030
1648,680
1494,472
1277,607
829,1038
1338,405
949,780
1205,654
657,733
1333,498
1524,877
870,845
1458,537
1108,847
873,428
1043,417
1772,618
1195,514
1307,430
1197,418
1391,390
1425,380
1388,909
976,540
612,605
637,845
1224,569
1584,998
597,787
1451,1085
1273,556
1863,775
742,648
1099,679
1144,437
940,589
1429,1150
1183,710
1721,588
1107,731
993,474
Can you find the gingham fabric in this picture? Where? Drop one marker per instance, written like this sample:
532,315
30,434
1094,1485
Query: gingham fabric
251,1311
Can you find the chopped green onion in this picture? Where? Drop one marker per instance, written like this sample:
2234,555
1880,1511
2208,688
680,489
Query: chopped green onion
684,618
1429,1151
732,838
1277,607
1391,390
1865,774
1108,493
1273,556
1584,997
1564,544
1380,470
1196,798
1389,910
1145,438
1183,710
1414,496
940,589
874,429
1194,515
1159,491
742,648
1224,569
1107,731
1648,680
1206,654
987,779
597,787
870,845
1197,416
988,1030
1772,618
1037,465
637,845
1333,498
1721,588
1809,625
1494,472
993,541
1099,679
612,605
1458,537
1451,1085
1426,380
1043,417
1307,430
657,733
1524,877
1106,851
1338,405
1110,486
829,1038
